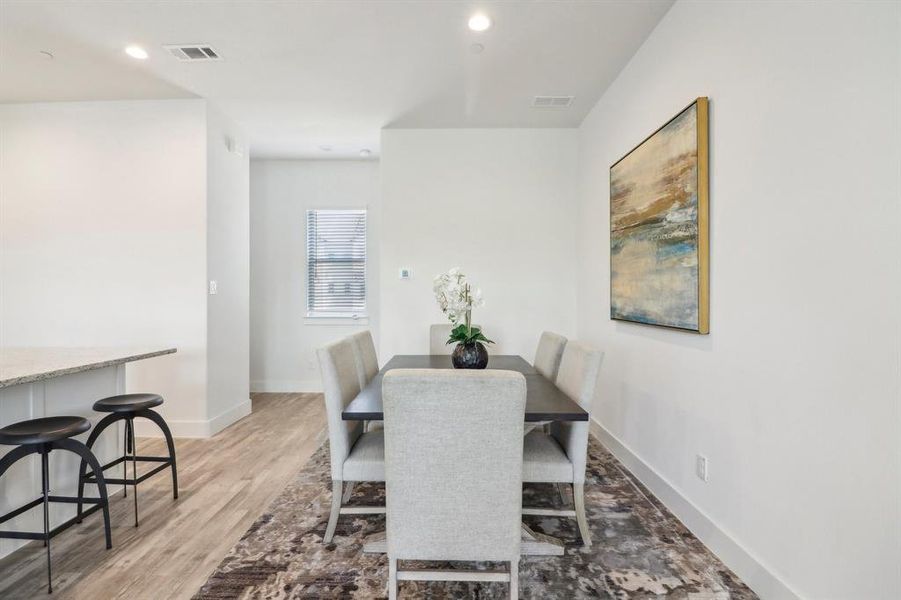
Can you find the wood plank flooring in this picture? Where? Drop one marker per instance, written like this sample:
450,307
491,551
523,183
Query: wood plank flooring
226,482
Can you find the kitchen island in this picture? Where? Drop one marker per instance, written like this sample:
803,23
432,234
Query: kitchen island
43,382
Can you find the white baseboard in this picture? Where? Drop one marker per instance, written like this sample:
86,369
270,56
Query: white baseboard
751,570
195,429
286,385
227,417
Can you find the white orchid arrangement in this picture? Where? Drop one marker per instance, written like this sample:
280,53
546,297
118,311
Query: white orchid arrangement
456,298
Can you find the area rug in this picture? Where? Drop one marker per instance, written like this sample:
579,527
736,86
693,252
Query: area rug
640,550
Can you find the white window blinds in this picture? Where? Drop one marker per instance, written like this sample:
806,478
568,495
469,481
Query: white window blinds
336,263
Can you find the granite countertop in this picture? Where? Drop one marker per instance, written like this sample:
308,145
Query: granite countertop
26,365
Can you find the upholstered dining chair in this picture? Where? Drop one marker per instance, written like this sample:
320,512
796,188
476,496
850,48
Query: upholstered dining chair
453,465
365,358
561,456
355,455
438,335
549,353
547,362
367,367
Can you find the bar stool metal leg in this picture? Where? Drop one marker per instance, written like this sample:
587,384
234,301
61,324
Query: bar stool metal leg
85,453
134,465
45,484
170,443
82,470
44,490
125,445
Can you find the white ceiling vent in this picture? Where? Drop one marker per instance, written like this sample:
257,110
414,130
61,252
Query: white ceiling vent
193,52
552,101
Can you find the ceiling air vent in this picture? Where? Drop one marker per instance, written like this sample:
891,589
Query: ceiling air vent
193,52
552,101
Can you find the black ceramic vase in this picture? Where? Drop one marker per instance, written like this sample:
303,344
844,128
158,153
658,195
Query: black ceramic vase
470,356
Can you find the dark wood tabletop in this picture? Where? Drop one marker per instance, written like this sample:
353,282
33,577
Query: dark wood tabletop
544,401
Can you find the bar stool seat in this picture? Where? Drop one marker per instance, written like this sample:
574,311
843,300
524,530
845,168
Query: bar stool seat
43,430
127,403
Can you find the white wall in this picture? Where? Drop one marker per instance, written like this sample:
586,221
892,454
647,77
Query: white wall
102,236
113,216
499,204
228,263
794,396
283,344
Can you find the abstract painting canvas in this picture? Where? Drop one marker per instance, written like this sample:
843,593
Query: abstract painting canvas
658,226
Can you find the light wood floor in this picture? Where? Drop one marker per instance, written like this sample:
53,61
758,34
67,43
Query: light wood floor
225,483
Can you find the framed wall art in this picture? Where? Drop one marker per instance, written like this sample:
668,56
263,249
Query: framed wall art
659,242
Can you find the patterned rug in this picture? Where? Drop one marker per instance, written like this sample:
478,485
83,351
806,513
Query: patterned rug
640,550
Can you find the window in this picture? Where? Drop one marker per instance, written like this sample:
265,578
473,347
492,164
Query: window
336,263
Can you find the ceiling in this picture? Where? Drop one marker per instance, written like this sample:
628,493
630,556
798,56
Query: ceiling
297,76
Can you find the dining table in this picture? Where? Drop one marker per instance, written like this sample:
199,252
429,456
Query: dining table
544,402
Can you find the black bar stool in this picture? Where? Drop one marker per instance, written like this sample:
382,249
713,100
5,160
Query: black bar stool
127,407
40,436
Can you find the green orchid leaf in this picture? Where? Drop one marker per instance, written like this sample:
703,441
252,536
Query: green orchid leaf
459,335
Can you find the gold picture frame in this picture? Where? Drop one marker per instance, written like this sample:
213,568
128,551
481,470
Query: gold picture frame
659,226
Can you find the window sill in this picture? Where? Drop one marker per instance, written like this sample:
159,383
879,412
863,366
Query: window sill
359,321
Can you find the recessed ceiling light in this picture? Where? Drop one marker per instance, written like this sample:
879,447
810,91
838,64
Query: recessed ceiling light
136,52
365,152
479,22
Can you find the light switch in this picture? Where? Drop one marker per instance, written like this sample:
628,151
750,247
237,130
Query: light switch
214,288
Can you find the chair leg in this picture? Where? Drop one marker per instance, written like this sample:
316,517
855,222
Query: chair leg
514,579
45,484
336,510
73,445
170,443
134,464
348,492
392,578
95,433
579,501
127,449
45,491
15,455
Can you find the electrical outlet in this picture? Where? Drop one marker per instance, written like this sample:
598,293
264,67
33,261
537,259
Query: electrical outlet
701,467
214,288
405,273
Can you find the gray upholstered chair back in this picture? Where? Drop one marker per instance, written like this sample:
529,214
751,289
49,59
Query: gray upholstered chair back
365,357
549,353
438,335
578,373
577,378
341,385
453,463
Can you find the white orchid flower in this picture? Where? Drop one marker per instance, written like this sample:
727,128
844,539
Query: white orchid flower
454,295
